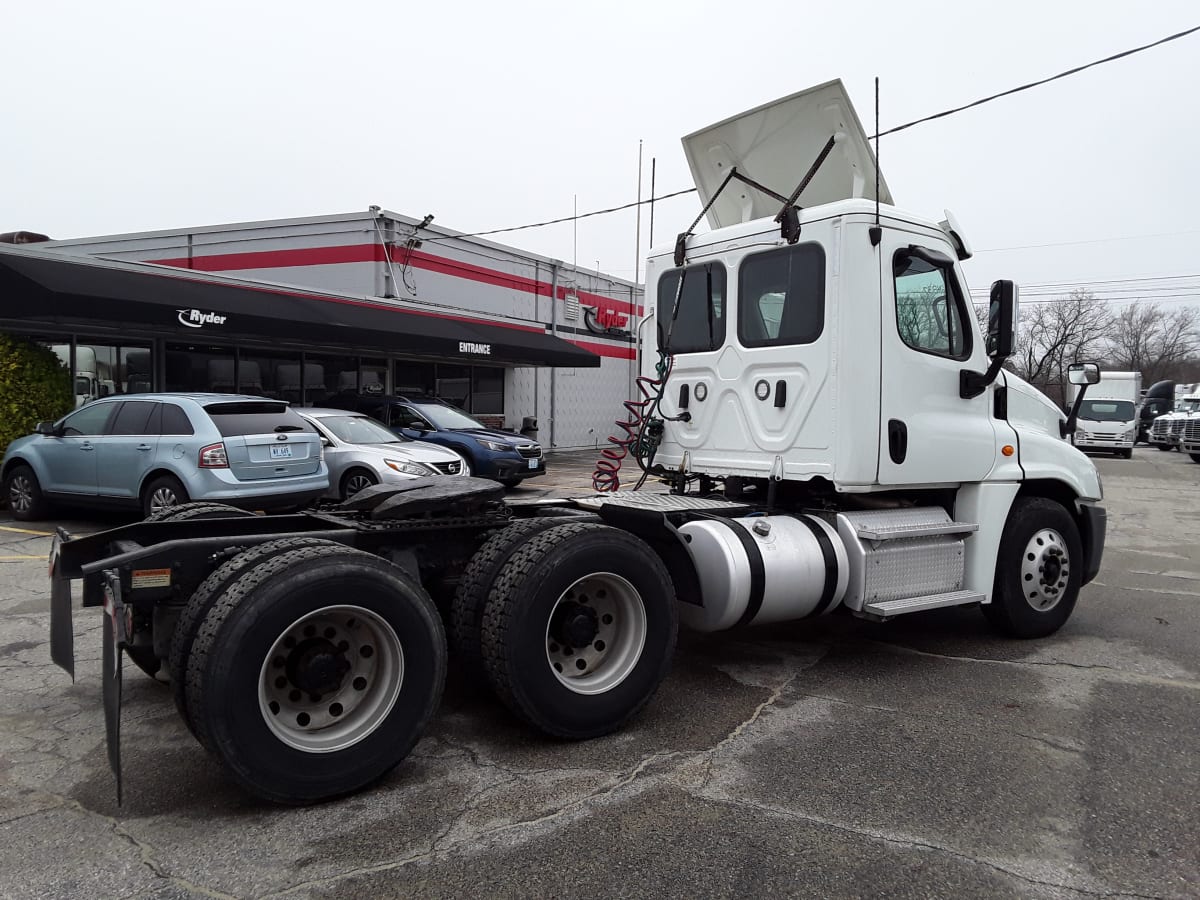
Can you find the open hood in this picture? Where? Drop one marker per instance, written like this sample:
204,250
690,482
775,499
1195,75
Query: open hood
774,145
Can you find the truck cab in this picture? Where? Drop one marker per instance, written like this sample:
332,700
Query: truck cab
837,359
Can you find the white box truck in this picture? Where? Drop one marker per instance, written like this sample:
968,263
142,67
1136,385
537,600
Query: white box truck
835,431
1108,417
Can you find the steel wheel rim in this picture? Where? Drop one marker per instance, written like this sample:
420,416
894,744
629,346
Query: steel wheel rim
1045,570
162,498
356,483
620,634
20,494
353,646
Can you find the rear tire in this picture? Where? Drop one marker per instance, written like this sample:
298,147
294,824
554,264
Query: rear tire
1195,457
23,494
341,719
1163,446
199,509
1038,570
600,589
466,612
209,592
161,494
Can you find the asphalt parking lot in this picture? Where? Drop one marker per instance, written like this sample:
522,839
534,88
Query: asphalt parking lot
923,757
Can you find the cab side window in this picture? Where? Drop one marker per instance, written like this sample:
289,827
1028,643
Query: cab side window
89,421
691,316
930,312
781,296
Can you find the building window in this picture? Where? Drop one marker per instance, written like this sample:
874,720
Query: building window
454,385
274,375
487,390
413,378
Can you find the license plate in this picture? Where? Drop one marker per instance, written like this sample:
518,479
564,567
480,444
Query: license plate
533,463
281,452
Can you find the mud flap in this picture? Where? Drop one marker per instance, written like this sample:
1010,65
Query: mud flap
116,636
62,632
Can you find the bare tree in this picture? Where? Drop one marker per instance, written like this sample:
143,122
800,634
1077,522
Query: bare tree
1156,342
1053,335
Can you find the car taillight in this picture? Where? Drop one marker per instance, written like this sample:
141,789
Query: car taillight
214,457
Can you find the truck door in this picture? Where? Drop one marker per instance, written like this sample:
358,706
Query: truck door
928,434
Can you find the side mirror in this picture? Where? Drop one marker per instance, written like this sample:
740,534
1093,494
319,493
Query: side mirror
1083,373
326,442
1002,319
46,428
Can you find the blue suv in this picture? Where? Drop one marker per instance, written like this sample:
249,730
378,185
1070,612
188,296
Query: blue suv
507,457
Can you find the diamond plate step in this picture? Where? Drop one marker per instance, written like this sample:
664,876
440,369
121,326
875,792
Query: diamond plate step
895,532
889,608
657,502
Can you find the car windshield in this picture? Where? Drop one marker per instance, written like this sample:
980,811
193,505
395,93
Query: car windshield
447,416
1107,410
359,430
1188,406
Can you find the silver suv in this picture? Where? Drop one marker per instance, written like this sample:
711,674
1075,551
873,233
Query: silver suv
156,450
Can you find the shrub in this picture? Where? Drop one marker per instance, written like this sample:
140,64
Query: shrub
34,386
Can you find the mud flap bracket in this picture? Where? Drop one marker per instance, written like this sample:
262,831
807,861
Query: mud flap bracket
117,634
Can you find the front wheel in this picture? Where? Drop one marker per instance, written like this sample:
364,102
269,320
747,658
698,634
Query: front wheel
1163,446
1195,457
1127,454
24,494
1038,570
315,673
509,482
579,629
356,480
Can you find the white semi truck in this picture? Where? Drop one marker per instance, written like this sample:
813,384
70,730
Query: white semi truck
1108,418
92,377
836,434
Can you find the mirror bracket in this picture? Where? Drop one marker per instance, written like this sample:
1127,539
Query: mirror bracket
972,384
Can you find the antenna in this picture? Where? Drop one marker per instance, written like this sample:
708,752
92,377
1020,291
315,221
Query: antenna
877,231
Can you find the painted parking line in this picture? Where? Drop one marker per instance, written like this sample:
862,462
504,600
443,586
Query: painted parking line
14,558
26,531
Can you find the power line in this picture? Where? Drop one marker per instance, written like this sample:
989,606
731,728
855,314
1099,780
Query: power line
1033,84
1132,237
906,125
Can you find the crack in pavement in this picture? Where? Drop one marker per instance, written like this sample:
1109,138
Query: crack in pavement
883,837
1121,675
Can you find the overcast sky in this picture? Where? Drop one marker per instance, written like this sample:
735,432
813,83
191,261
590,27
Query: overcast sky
127,116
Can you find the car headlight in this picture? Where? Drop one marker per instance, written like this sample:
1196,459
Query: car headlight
495,445
408,468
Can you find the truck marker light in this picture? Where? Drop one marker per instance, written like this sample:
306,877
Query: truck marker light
1007,450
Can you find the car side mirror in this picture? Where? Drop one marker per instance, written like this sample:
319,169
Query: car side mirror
326,442
46,428
416,424
1002,319
1083,373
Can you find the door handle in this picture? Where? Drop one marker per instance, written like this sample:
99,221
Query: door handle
145,447
86,446
897,440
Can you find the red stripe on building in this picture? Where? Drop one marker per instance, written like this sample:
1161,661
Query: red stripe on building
609,350
360,253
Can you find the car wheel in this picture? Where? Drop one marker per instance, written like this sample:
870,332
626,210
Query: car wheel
579,629
1195,457
509,482
356,480
161,494
24,494
316,673
1038,570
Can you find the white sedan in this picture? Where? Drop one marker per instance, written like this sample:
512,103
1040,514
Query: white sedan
361,452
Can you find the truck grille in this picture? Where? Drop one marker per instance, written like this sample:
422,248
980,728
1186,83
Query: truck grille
1160,427
1177,427
448,468
1191,433
529,451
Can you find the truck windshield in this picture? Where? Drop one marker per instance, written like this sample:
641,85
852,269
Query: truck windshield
1188,406
1107,410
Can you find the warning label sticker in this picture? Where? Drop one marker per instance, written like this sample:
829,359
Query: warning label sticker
151,578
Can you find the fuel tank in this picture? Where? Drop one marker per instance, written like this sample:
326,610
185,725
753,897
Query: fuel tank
763,569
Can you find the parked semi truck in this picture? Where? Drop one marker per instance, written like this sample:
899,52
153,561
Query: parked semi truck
834,431
1158,400
92,377
1108,418
1166,431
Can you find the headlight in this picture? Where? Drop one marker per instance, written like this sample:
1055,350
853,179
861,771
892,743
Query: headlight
408,468
495,445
